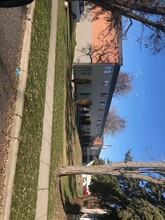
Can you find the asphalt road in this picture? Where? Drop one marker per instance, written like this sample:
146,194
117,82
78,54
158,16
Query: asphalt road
11,34
11,31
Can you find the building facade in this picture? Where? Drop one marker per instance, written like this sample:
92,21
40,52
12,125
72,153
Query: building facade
98,57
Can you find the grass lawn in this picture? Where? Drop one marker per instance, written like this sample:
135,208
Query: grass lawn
26,179
65,142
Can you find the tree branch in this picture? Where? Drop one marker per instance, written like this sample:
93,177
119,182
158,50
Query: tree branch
141,7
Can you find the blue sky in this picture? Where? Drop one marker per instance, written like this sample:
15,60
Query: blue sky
143,107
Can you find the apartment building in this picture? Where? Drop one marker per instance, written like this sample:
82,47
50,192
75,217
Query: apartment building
98,57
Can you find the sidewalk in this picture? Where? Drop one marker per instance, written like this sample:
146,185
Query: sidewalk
43,181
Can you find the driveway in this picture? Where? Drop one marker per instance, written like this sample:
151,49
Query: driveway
11,33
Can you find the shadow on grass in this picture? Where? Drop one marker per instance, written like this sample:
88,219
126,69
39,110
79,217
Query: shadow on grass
72,154
70,126
71,204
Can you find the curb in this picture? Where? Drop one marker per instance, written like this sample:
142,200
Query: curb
17,120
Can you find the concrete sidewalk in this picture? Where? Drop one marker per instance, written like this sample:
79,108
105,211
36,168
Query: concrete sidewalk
43,181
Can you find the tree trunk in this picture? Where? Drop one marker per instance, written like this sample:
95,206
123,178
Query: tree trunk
120,169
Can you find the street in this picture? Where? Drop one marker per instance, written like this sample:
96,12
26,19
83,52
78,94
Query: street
11,34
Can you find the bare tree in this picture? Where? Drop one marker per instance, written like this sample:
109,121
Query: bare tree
99,53
114,123
123,84
142,170
151,14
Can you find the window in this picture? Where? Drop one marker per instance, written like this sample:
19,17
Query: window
85,109
103,94
85,94
88,84
108,69
87,127
105,83
86,138
91,157
99,117
84,159
102,103
84,112
83,70
98,122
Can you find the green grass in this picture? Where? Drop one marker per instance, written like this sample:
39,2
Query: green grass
62,61
26,179
65,141
64,136
59,99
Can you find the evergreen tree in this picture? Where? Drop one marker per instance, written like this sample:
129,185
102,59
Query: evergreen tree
129,198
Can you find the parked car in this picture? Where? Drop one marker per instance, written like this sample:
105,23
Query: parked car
14,3
77,8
